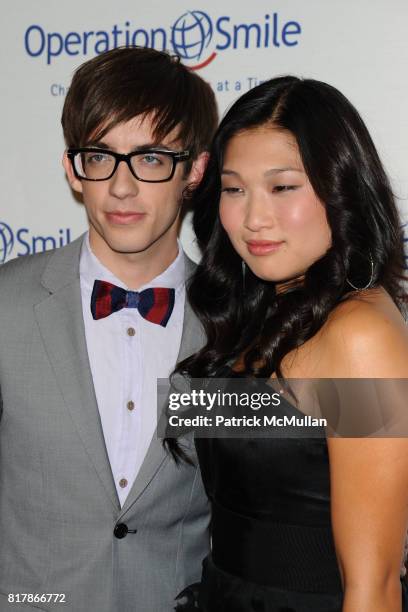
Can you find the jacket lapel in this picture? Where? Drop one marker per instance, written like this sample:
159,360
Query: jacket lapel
60,320
192,339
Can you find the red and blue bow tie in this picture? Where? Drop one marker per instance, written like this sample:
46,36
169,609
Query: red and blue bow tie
155,305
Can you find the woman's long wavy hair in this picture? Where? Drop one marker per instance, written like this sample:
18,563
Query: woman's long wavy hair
245,318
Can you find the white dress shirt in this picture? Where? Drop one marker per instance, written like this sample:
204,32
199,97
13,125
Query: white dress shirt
127,354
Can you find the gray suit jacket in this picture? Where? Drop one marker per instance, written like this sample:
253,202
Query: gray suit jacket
58,502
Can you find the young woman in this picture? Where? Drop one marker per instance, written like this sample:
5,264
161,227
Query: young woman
301,277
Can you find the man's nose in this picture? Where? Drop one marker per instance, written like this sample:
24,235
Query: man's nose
123,183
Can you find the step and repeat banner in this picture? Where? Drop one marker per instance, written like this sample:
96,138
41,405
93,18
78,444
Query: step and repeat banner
359,47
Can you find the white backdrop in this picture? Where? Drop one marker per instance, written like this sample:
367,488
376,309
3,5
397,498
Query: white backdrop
361,47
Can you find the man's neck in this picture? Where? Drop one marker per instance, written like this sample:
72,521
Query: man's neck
136,269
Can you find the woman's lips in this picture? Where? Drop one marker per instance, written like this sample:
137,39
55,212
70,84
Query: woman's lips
122,218
263,247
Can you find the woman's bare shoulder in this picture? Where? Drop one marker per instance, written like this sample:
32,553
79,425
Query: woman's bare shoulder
366,336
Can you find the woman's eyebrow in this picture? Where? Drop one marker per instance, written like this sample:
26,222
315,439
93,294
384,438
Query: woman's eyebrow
227,171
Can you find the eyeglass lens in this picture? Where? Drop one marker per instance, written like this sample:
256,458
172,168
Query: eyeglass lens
147,166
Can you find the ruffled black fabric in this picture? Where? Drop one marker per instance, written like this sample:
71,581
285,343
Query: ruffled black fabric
222,592
189,599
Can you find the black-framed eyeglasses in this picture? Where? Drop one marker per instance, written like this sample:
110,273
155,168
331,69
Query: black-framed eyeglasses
148,165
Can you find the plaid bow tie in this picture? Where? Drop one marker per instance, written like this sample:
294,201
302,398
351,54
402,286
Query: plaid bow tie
155,305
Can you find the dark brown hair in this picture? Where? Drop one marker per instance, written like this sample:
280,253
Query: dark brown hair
123,83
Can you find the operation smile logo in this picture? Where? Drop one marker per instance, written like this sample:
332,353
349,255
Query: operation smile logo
195,37
190,36
22,242
6,241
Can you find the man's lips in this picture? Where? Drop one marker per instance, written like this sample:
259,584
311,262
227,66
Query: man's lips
263,247
124,218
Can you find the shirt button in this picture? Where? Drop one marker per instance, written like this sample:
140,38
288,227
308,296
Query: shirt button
123,483
130,405
131,331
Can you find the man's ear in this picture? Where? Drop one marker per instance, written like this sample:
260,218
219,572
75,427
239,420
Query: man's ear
197,169
75,183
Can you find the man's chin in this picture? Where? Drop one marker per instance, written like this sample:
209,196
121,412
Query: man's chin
130,249
145,245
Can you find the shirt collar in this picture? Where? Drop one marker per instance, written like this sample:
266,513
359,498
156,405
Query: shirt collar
91,269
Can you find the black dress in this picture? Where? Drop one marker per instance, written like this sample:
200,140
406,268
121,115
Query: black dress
272,541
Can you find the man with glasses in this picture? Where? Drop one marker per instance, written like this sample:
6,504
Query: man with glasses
94,515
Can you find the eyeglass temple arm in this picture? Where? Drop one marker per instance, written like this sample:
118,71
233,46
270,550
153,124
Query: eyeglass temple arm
182,155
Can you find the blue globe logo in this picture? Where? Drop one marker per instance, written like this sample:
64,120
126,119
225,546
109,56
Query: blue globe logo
191,34
6,241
